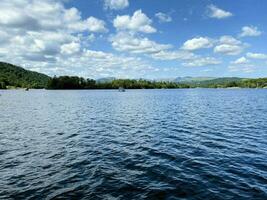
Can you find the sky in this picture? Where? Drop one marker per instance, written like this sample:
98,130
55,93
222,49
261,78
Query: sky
151,39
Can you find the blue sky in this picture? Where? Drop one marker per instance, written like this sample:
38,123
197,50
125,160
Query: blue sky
136,38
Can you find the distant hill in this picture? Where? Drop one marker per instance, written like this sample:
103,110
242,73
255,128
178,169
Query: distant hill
11,75
189,79
105,80
224,80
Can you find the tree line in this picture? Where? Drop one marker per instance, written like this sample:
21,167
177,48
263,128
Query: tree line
74,82
14,76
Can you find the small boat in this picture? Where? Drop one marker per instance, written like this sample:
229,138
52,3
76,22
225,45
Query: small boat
121,89
27,89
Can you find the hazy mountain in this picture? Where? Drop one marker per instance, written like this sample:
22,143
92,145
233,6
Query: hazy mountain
105,80
188,79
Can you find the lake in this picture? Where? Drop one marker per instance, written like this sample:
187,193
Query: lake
138,144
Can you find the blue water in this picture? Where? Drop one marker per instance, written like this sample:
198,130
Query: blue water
141,144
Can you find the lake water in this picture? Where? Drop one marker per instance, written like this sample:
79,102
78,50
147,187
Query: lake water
140,144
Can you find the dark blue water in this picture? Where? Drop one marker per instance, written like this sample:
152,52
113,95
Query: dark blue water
141,144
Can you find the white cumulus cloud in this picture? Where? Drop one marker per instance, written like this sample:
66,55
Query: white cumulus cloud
228,45
256,55
250,31
131,43
242,60
215,12
139,22
46,36
70,48
197,43
116,4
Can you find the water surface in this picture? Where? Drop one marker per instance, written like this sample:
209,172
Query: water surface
141,144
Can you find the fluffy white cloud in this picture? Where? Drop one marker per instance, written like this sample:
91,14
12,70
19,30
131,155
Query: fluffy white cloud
242,60
251,31
163,18
228,49
95,25
256,55
139,22
197,43
48,15
41,29
74,23
70,48
47,37
134,44
116,4
215,12
229,45
227,39
202,61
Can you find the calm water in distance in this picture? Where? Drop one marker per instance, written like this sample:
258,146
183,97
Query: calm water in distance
141,144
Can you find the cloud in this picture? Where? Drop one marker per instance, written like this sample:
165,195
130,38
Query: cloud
197,43
116,4
139,22
163,18
75,24
242,60
227,39
38,29
48,37
244,68
70,48
256,55
95,25
173,55
228,49
134,44
215,12
202,61
4,37
228,45
48,15
251,31
107,64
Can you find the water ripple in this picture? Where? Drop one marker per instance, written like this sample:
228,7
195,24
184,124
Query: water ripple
141,144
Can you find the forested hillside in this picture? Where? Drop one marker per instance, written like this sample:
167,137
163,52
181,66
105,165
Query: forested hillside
11,75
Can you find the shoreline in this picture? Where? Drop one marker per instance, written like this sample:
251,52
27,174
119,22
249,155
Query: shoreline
228,88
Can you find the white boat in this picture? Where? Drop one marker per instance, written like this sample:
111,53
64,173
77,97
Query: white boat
121,89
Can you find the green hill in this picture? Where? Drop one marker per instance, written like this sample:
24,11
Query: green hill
220,82
11,75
